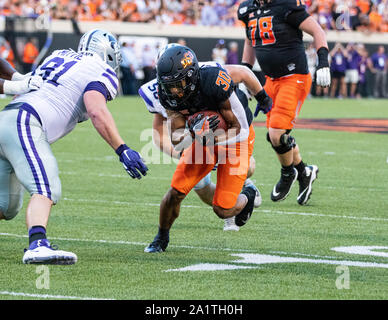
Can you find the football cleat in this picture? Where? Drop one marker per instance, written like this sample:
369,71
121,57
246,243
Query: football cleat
282,189
309,175
159,245
258,198
230,225
41,252
246,213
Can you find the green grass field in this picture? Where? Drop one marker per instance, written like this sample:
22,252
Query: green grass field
107,219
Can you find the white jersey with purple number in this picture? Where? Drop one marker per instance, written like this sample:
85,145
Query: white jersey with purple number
149,92
59,102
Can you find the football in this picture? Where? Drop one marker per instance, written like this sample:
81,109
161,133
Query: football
222,125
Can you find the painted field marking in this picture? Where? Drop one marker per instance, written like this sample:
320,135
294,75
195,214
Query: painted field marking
47,296
261,259
133,243
363,250
254,258
358,249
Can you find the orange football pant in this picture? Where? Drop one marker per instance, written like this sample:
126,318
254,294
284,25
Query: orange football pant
233,164
288,94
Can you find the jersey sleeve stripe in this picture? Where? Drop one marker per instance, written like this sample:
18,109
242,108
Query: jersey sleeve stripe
97,86
145,98
112,73
114,84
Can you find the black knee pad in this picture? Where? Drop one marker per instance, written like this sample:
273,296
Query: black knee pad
287,143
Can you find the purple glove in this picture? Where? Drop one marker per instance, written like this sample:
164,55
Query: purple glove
131,161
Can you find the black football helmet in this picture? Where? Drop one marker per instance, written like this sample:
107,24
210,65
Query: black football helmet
177,74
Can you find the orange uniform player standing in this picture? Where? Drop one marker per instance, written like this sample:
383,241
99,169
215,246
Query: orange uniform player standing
274,35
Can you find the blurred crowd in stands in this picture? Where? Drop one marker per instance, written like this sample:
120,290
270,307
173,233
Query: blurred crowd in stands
355,72
362,15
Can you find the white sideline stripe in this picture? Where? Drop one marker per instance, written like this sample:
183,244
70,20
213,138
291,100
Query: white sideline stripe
256,210
324,215
125,176
129,203
249,252
106,175
127,243
47,296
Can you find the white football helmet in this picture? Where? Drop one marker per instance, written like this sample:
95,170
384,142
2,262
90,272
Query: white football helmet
104,44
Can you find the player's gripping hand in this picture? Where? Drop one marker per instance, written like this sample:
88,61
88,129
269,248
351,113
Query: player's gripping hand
131,161
323,77
34,82
264,103
29,83
202,128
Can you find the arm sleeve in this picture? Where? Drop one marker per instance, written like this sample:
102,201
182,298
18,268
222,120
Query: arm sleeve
100,87
295,14
243,11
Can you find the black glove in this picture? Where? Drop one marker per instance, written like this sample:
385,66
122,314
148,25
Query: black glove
202,128
264,103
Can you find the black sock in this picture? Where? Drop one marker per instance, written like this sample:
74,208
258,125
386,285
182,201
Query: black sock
288,169
300,167
36,233
164,233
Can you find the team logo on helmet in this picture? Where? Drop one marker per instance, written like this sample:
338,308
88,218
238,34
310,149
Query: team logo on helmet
187,60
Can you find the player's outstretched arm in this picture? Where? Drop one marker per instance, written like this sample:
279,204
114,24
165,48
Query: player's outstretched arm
105,125
6,70
12,82
311,26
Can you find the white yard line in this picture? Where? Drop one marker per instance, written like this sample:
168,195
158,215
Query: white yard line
47,296
133,243
313,214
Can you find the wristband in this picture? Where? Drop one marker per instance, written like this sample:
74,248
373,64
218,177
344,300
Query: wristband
323,58
120,149
261,95
247,65
11,87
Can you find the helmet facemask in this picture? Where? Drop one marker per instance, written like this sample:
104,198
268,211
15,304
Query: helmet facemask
262,3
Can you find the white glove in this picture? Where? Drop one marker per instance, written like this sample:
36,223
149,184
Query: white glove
28,83
323,77
18,76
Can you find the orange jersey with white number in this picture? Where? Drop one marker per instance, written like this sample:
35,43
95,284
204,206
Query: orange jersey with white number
273,30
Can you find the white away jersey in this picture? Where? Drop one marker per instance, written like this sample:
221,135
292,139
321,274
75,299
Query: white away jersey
149,92
59,102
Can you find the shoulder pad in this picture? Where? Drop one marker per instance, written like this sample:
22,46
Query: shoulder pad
292,5
244,9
